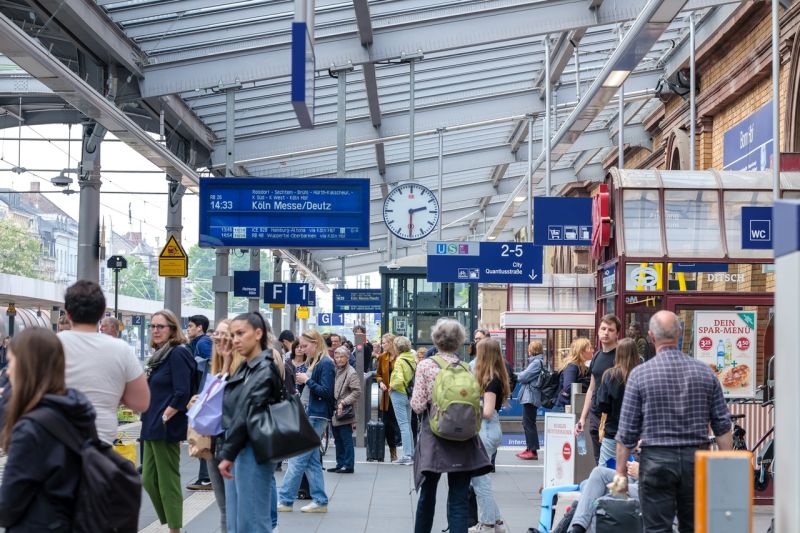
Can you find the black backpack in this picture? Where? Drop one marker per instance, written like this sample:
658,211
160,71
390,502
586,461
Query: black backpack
547,385
410,384
110,489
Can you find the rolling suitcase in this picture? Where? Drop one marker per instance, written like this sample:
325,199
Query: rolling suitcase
376,441
613,515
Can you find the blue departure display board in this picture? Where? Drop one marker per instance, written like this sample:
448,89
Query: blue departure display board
284,212
356,300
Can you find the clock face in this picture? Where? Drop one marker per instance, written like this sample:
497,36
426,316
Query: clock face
411,211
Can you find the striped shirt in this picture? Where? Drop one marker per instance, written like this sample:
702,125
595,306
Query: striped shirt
670,401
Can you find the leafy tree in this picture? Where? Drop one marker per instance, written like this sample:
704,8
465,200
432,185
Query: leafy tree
202,268
137,281
21,250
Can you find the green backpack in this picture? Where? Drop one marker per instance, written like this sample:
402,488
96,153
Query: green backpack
456,403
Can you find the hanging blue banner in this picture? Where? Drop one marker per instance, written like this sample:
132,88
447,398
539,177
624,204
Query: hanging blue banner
485,262
246,283
297,294
748,144
559,221
275,293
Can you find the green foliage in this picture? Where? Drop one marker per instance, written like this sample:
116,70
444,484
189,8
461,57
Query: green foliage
21,250
137,281
202,268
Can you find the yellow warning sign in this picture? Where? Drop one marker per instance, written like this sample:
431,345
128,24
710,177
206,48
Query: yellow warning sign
173,261
303,313
11,310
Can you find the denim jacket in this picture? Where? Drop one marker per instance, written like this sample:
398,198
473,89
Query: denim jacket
320,400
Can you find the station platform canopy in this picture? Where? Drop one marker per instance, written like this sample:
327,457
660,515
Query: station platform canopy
140,67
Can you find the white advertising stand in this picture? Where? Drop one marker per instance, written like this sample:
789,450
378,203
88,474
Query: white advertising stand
786,243
559,449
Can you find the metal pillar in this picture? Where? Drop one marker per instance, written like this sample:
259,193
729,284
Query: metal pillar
440,132
221,284
786,243
411,113
341,281
692,94
174,227
89,214
530,181
277,314
254,304
621,111
341,116
547,121
577,74
291,308
776,82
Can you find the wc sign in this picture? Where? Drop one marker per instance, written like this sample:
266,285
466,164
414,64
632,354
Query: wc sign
756,228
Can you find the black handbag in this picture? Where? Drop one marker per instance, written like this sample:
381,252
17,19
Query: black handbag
280,430
348,414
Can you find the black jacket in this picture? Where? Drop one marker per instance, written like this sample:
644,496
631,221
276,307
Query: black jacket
41,475
255,383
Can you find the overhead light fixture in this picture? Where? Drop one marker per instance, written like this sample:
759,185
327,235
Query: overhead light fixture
492,237
616,78
519,198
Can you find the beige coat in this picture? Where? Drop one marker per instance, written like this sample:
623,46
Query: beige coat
346,390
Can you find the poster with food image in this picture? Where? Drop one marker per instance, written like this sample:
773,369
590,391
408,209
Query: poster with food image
726,342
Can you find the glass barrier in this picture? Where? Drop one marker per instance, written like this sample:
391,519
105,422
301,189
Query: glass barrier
692,223
641,219
734,201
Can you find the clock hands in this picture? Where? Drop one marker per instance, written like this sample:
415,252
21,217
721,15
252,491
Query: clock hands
412,211
411,218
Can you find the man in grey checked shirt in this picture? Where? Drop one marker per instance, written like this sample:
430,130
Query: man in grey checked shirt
669,403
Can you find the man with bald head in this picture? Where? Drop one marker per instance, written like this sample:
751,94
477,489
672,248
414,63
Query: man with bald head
670,401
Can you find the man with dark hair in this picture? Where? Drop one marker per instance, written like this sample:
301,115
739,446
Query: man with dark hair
100,366
200,344
602,360
361,330
286,338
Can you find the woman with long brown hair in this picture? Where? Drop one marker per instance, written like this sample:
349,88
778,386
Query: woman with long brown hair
170,374
383,376
492,376
42,474
611,392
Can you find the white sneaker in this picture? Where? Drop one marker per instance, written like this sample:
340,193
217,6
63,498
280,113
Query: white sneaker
314,507
481,528
405,460
284,508
500,527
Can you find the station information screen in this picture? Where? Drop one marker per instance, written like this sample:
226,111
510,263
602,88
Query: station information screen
284,213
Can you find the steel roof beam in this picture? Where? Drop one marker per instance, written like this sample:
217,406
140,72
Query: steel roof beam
706,29
363,21
29,54
562,53
204,67
360,131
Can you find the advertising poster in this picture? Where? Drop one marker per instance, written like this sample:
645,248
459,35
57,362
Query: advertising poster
726,342
559,449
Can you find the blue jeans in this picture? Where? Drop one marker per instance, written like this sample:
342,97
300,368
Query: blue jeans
491,434
310,464
457,502
273,504
345,452
248,494
402,411
608,450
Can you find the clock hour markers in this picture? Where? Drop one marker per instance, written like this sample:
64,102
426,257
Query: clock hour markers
411,211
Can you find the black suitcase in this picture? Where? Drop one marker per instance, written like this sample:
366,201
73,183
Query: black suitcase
376,441
614,515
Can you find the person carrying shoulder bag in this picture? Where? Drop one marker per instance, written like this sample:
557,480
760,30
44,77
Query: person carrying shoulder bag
347,391
530,399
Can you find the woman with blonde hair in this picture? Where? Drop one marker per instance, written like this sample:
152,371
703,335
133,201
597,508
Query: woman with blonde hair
170,373
383,376
611,393
530,399
318,387
492,376
576,370
400,391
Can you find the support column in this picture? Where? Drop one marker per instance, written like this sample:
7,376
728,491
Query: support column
692,96
530,181
340,73
292,308
254,304
548,92
776,102
621,111
277,277
173,286
89,214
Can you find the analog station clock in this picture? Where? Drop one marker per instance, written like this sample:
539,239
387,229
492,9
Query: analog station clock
411,211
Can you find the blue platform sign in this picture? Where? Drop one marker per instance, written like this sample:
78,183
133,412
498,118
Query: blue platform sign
246,283
485,262
137,320
303,65
330,319
312,299
699,267
756,228
748,144
297,294
275,293
559,221
356,300
284,213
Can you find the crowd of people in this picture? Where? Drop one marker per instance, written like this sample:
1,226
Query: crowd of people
647,409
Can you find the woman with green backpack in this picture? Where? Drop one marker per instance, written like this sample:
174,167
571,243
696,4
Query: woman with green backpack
401,385
448,443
